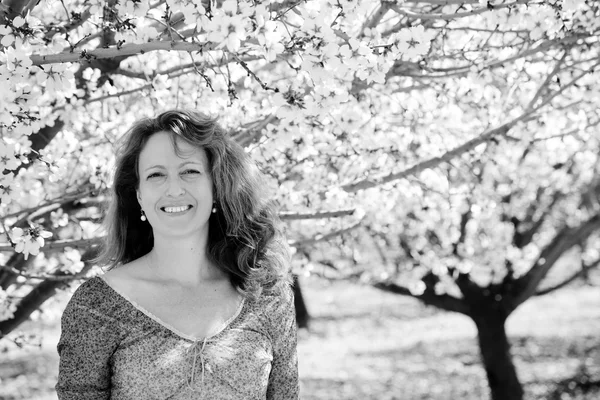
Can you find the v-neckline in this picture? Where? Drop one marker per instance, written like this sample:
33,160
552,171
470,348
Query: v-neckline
170,327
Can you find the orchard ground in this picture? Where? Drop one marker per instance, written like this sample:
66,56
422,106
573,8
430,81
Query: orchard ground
366,344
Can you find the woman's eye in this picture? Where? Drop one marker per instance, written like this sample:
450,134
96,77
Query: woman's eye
190,172
154,175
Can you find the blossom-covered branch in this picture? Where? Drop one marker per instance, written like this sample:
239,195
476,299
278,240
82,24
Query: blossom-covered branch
287,215
118,51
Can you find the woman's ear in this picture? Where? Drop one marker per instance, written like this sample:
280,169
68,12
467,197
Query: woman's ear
139,197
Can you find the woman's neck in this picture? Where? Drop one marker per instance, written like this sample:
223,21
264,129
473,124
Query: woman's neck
183,262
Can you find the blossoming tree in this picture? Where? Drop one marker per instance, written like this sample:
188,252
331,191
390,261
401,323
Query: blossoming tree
460,134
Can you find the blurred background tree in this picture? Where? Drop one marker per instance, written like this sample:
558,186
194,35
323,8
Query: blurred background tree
456,140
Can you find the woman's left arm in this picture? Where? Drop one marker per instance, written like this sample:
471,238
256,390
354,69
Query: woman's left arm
283,380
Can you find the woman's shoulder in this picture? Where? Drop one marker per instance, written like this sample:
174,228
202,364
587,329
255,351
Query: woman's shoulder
95,297
274,303
91,292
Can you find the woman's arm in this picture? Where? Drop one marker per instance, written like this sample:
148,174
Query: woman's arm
283,381
88,340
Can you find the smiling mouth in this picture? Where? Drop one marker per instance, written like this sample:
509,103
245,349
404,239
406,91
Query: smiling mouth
174,210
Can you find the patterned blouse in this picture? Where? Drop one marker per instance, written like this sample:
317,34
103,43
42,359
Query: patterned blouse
111,348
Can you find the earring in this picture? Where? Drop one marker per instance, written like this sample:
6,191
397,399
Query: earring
143,216
214,209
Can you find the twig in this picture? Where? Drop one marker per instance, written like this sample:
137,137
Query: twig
377,16
256,78
568,85
442,2
282,13
546,82
7,233
460,70
66,10
285,215
118,94
60,244
50,277
201,73
476,11
56,201
324,237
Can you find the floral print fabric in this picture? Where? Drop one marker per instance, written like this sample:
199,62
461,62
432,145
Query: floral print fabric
111,349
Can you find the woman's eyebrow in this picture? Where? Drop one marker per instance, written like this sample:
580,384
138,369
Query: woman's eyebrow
153,166
190,162
180,165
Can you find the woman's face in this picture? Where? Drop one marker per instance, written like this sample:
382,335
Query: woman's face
175,191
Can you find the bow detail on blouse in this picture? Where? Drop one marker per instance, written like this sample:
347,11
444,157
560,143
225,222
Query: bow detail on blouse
195,352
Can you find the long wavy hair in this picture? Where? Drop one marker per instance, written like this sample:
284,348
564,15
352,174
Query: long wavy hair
244,238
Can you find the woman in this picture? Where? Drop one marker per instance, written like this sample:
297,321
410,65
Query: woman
196,303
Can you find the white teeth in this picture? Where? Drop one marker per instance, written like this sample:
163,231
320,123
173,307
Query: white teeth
176,209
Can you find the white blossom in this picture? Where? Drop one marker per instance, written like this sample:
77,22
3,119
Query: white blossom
135,8
7,307
70,260
411,43
270,36
9,191
8,37
8,160
17,60
29,241
417,288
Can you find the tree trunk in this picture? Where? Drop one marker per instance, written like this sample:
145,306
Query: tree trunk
495,353
31,302
302,316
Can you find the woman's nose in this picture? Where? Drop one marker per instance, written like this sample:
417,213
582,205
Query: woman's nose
174,188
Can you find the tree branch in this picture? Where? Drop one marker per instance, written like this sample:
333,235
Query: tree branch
172,72
526,285
252,131
54,203
12,8
40,140
572,82
115,51
464,69
16,261
546,82
476,11
464,220
287,215
79,243
584,270
60,244
377,16
323,237
74,24
50,277
470,289
445,301
42,292
435,161
118,94
522,237
442,2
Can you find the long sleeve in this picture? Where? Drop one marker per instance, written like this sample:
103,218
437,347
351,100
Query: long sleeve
283,380
88,340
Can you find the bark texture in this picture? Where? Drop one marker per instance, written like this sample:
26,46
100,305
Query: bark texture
496,357
302,316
